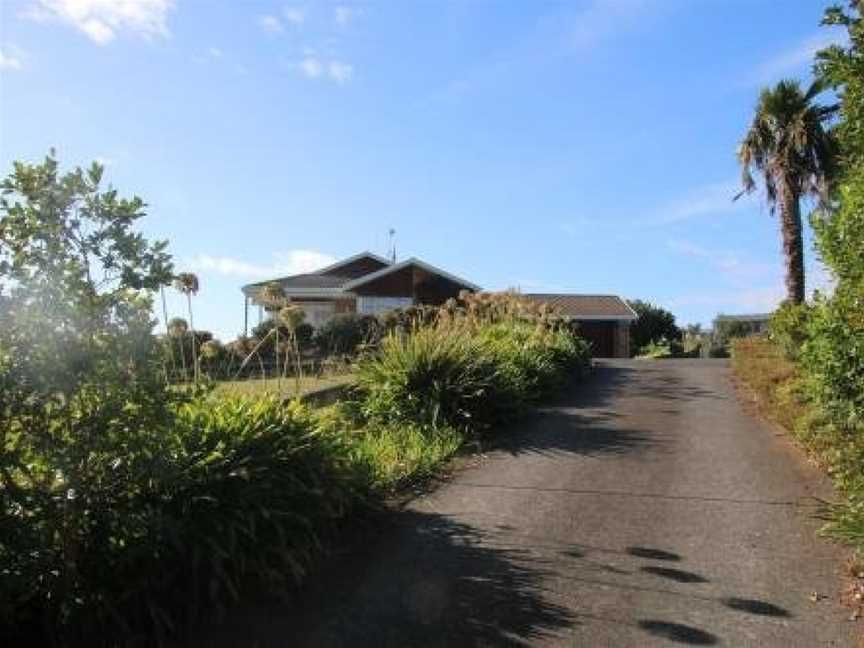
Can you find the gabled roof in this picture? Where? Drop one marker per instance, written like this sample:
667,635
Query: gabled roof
378,260
329,281
396,267
587,307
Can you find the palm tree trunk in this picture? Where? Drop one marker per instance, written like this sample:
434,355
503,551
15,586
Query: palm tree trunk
192,330
793,242
167,334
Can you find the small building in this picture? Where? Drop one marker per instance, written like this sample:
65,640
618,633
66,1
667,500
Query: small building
365,283
604,320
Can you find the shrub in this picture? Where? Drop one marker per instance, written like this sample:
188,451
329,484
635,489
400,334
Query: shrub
344,334
232,493
834,357
433,376
788,328
467,369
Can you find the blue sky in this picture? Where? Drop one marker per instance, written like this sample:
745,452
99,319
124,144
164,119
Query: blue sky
584,146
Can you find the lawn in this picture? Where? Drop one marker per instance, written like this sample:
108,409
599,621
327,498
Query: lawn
286,387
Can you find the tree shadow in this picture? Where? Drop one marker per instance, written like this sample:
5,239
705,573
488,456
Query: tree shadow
678,632
652,554
426,581
677,575
755,606
559,431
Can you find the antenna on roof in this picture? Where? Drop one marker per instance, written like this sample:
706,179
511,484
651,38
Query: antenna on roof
391,252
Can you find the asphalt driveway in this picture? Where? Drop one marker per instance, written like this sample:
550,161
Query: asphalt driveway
647,508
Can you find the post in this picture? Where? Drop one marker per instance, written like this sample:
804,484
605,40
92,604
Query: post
245,316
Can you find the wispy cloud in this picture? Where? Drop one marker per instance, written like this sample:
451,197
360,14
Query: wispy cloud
731,263
601,19
103,20
712,198
796,58
563,33
294,15
313,67
287,263
11,58
340,72
345,15
271,24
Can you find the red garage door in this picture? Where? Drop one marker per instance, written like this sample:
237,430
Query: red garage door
601,336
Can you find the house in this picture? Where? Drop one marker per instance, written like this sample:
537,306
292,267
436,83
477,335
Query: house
604,320
365,283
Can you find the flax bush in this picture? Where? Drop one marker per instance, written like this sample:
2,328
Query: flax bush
479,361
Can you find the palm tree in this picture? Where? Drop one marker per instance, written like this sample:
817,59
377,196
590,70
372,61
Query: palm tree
272,296
187,283
790,145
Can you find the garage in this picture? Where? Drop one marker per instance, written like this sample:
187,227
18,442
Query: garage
604,320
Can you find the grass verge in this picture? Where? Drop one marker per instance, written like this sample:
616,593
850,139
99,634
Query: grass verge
781,393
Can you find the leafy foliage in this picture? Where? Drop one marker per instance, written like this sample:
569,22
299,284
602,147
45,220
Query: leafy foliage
83,400
344,334
655,324
480,362
788,328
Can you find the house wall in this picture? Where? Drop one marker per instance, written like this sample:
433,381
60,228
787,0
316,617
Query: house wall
423,287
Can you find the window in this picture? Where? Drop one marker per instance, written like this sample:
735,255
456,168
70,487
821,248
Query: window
376,305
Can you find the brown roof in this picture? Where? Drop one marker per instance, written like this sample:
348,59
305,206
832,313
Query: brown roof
587,307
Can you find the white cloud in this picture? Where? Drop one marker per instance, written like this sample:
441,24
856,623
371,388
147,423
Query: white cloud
215,52
345,15
294,15
10,59
271,24
103,20
340,72
287,263
311,67
795,58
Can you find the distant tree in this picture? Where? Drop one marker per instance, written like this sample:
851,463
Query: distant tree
655,325
187,283
790,146
177,329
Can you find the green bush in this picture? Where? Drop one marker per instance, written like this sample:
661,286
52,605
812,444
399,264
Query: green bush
232,493
458,373
432,376
789,328
344,334
833,357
